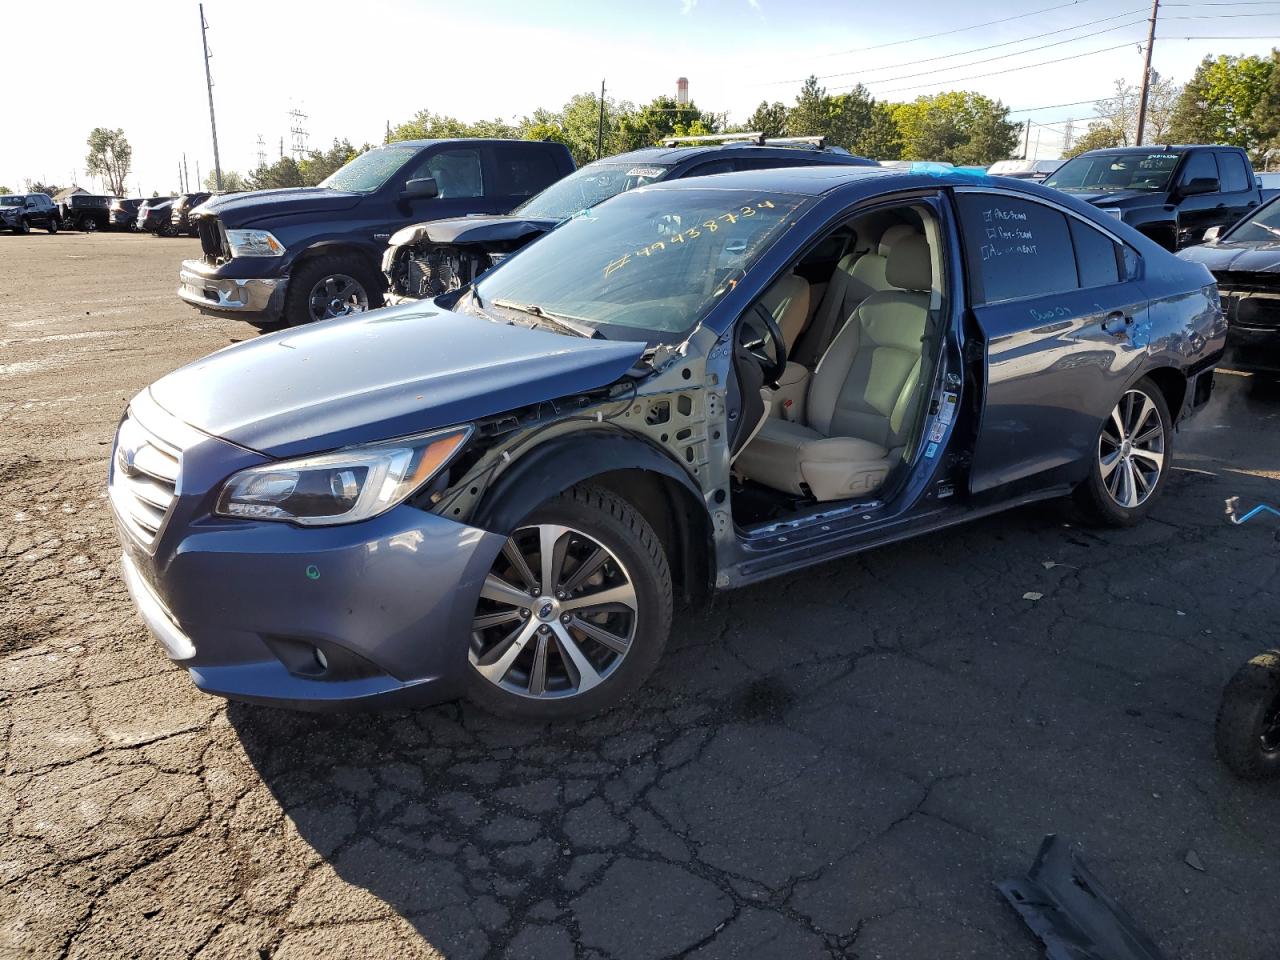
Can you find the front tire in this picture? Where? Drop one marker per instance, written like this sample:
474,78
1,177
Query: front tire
575,612
24,226
53,225
88,224
1131,459
1247,733
328,287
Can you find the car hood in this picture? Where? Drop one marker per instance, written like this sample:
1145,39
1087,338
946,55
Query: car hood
1250,257
379,375
241,209
1108,198
481,229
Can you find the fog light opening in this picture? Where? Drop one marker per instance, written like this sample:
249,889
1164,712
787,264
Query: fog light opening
321,659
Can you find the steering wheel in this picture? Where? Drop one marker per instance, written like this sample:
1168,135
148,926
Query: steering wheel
760,336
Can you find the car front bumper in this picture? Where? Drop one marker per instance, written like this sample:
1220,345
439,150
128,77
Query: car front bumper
243,605
253,298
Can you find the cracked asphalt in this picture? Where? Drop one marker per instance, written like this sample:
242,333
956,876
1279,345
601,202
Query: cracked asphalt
840,763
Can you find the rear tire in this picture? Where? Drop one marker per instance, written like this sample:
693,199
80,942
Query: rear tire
306,294
24,226
1247,733
53,225
1131,459
87,224
594,521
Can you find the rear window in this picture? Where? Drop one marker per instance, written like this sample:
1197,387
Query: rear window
1096,255
523,171
1235,178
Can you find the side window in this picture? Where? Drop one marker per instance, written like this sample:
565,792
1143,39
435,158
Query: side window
1200,166
714,166
1015,248
1097,258
456,172
522,171
1235,178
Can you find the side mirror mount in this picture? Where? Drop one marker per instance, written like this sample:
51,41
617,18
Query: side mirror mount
424,187
1200,185
1212,234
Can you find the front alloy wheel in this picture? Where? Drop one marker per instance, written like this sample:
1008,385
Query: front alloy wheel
1131,450
337,296
88,224
574,612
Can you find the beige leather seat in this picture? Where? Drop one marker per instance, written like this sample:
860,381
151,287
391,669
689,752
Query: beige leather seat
788,301
862,399
856,277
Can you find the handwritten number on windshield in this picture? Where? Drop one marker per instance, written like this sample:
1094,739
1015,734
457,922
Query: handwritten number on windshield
711,225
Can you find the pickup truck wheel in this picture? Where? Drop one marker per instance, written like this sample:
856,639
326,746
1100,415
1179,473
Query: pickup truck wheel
88,224
53,225
24,225
575,612
1131,459
165,230
329,287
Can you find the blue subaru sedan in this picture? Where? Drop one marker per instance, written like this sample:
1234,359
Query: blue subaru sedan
502,493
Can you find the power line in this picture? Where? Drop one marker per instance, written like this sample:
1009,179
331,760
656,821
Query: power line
1017,53
946,33
990,46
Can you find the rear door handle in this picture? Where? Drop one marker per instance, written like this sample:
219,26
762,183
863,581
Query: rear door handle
1116,323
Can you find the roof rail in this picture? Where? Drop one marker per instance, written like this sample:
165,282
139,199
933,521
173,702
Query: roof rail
754,136
817,143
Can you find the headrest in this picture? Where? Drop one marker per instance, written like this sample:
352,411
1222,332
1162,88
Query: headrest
909,265
892,235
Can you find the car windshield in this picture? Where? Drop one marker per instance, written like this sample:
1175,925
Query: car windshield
647,265
1262,227
11,200
1116,171
584,188
370,171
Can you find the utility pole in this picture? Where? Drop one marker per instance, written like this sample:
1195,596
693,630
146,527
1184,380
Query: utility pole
1146,73
181,188
1026,142
208,82
600,125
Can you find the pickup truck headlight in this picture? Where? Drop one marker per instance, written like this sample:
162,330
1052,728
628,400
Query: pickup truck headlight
345,486
254,243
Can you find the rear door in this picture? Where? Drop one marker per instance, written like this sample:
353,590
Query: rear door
1063,326
1199,212
1239,193
515,172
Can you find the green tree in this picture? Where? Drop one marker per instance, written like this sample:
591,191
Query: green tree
318,164
1100,135
811,116
1117,123
1220,103
770,119
957,126
426,125
232,182
1266,114
576,125
283,173
661,118
35,186
110,157
4,190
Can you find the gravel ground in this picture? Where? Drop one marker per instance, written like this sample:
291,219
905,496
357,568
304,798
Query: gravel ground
836,764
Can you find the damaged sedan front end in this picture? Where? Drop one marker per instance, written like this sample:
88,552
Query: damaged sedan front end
1245,262
426,260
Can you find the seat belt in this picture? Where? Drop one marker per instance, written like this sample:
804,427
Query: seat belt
820,332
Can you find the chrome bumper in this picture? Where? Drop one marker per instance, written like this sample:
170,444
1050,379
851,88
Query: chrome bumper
230,295
176,643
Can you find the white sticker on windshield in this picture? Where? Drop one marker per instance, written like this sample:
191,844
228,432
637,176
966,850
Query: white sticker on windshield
645,172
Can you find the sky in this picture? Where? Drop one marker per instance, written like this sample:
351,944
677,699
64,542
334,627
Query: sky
352,67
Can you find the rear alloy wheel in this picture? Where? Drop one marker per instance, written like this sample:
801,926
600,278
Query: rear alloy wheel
88,224
1131,459
574,613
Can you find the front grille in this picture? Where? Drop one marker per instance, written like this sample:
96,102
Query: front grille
144,479
210,230
1239,280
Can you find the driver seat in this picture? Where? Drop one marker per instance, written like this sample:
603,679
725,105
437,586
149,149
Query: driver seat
862,400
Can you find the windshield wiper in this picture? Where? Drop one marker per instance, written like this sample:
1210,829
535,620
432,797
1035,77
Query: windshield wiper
564,323
1271,230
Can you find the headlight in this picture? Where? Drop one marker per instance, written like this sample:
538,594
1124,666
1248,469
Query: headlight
254,243
341,487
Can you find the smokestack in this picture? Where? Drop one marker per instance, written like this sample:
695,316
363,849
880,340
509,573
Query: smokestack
682,91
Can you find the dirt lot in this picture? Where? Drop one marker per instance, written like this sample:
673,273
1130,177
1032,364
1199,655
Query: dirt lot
838,764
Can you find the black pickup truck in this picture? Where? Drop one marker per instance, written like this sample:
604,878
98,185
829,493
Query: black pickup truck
86,212
312,253
1173,194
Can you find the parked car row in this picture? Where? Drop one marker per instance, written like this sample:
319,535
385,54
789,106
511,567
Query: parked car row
88,213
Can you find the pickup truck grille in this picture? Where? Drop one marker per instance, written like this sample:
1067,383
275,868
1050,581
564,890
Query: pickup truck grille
1250,300
210,229
144,480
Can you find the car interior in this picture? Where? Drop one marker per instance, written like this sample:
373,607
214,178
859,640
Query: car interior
859,316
